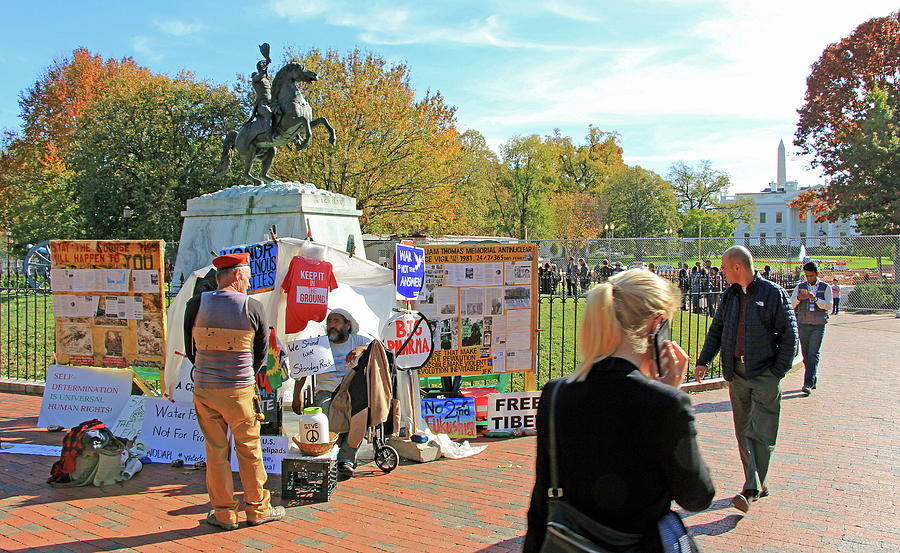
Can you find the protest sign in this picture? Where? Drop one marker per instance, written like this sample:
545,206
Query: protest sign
274,449
481,300
171,432
73,395
108,302
310,356
262,264
184,387
513,410
452,416
409,271
397,331
130,420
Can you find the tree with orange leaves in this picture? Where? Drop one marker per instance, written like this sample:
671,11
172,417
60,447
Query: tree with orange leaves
850,125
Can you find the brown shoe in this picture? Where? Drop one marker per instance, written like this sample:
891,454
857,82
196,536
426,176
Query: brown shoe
741,503
213,521
277,513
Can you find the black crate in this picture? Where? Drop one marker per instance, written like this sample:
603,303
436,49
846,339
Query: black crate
308,480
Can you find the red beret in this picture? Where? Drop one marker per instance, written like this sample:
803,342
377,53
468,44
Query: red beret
231,260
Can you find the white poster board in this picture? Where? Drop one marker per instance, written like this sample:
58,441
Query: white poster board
184,387
309,356
73,395
131,418
274,449
171,432
513,410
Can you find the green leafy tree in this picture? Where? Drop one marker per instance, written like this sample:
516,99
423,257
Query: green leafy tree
473,192
714,224
641,203
524,186
150,144
586,167
36,197
848,126
397,155
704,188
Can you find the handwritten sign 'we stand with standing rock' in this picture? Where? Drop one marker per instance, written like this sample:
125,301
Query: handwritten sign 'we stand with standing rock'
309,356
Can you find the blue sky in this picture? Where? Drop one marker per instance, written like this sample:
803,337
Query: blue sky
679,80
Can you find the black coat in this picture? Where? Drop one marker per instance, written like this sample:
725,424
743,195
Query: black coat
627,449
770,330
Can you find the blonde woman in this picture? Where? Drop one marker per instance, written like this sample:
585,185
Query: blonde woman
626,443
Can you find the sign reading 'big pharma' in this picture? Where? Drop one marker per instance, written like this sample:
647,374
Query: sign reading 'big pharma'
482,300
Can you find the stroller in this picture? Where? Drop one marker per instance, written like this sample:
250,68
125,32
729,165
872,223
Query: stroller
365,406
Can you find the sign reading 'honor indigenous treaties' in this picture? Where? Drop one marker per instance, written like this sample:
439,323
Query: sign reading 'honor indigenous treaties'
108,302
262,264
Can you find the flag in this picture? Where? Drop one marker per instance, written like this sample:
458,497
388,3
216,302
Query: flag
276,364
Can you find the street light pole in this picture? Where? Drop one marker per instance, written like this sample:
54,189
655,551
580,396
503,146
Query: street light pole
126,214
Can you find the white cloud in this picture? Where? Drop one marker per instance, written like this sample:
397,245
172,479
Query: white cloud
298,9
179,28
143,47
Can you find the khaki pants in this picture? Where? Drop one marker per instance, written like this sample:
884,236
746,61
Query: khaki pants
756,406
219,409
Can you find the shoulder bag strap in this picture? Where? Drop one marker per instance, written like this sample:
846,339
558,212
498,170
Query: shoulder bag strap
554,491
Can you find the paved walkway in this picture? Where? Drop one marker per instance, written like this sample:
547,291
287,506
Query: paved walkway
834,483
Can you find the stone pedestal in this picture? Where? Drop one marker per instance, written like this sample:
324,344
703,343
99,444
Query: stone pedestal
243,215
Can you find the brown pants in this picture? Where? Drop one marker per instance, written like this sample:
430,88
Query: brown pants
219,409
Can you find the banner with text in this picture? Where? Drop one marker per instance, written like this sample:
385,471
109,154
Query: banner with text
409,271
452,416
482,303
108,302
73,395
309,356
513,410
274,449
262,264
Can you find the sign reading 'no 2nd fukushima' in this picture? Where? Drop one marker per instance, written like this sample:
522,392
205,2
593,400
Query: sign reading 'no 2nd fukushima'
108,302
483,302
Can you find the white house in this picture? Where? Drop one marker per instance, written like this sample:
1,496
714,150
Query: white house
775,222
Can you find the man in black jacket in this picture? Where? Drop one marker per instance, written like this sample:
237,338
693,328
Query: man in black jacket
755,331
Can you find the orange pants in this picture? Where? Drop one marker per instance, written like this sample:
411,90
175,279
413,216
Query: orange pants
219,409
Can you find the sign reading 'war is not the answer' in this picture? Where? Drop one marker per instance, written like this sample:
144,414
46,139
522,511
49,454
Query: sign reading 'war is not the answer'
481,300
108,302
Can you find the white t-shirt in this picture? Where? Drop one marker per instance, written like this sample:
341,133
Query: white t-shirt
330,381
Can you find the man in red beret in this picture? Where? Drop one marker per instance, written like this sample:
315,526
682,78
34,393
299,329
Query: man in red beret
225,338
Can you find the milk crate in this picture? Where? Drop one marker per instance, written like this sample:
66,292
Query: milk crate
306,480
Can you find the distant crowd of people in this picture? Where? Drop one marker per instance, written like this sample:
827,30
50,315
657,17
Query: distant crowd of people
701,285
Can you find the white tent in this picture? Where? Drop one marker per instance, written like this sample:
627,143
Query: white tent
365,289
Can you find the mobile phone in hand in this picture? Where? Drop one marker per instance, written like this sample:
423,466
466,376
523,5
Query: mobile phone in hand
659,338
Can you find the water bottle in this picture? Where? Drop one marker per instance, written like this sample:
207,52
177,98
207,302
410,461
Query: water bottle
313,426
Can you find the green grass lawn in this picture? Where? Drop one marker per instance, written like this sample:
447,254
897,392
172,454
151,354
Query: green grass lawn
26,334
559,321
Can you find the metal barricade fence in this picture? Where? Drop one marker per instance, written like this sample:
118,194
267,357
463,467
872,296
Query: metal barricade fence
863,267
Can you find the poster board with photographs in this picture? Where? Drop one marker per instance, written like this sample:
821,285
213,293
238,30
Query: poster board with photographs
108,302
482,301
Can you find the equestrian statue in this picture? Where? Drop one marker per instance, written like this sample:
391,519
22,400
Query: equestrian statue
280,114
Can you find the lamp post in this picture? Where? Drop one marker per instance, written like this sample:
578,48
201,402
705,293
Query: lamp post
126,214
669,233
609,228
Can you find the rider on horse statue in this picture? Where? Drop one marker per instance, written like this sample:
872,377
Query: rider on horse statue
262,86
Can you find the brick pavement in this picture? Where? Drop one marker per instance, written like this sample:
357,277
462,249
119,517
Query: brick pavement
834,482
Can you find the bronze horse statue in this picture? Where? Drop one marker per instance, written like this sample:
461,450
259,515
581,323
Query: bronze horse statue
291,114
